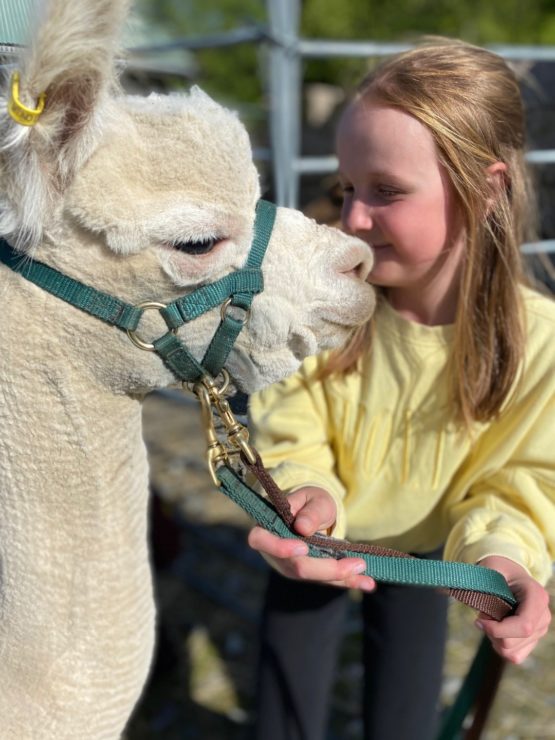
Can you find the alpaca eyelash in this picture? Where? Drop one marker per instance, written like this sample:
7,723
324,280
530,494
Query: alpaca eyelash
199,246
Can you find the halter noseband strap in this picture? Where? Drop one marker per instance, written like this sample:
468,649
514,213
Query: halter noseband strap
235,290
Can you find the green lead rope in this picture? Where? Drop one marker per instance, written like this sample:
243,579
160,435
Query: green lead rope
407,571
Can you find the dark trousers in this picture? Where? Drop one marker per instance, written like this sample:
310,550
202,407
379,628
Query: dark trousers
404,633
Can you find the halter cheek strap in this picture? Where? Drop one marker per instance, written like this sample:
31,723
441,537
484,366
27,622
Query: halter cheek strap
234,292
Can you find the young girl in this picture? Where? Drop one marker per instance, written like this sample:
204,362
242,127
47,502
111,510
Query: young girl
434,427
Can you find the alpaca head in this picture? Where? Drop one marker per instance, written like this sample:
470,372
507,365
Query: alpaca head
166,183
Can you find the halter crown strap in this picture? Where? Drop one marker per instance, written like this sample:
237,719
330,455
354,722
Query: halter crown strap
102,305
236,289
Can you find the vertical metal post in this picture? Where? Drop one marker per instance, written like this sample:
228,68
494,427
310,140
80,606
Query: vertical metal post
285,98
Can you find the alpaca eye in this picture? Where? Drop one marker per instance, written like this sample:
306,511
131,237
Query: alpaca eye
202,246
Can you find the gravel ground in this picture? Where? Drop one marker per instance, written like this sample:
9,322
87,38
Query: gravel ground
209,589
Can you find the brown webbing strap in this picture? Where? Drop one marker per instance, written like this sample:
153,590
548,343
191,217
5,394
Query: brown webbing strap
489,604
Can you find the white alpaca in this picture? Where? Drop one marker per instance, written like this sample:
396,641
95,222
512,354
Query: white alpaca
145,199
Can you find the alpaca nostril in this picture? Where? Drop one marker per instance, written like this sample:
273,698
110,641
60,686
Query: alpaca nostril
360,269
354,273
357,260
365,267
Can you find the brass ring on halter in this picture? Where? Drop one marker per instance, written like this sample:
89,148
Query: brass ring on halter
132,333
224,311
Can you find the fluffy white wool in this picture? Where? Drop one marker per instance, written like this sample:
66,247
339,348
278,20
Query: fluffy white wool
102,188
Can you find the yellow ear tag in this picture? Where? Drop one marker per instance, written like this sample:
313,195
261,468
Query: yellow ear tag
19,112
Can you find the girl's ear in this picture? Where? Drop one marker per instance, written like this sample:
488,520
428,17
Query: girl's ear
497,179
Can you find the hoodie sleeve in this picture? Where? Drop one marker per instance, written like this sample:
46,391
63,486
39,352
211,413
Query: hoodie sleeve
510,511
289,425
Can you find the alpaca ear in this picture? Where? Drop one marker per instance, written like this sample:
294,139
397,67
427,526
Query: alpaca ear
70,60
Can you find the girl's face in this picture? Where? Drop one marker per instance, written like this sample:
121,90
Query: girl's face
398,198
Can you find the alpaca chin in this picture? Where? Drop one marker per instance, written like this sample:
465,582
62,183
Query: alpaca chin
257,370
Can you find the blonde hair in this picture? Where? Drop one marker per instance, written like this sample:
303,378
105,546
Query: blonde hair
470,101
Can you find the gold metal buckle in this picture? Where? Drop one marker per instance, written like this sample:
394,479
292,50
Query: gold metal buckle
132,333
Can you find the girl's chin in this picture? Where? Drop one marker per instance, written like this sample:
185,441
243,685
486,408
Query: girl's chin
387,271
384,279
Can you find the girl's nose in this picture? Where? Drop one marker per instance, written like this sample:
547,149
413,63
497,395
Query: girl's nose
356,216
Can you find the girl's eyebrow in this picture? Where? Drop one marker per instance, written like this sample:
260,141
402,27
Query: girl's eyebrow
383,173
391,176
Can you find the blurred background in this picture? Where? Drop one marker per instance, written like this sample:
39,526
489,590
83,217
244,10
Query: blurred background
287,67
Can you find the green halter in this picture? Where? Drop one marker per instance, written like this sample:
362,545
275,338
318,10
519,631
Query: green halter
236,289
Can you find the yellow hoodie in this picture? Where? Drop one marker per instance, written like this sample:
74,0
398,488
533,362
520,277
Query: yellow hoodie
383,442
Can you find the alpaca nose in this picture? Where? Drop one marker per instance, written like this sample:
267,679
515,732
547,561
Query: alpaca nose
357,261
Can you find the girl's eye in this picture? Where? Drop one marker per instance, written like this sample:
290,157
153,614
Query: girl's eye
346,193
386,192
345,188
203,246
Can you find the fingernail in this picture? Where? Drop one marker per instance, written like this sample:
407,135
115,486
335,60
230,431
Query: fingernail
300,550
479,625
359,568
367,586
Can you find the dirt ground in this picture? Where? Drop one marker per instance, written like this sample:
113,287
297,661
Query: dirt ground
209,588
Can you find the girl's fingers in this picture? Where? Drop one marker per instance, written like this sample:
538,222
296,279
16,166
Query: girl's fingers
290,559
325,570
514,638
524,624
515,653
274,546
297,499
314,510
360,583
512,644
510,627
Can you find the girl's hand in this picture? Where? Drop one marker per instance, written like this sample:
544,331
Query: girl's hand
516,636
314,511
